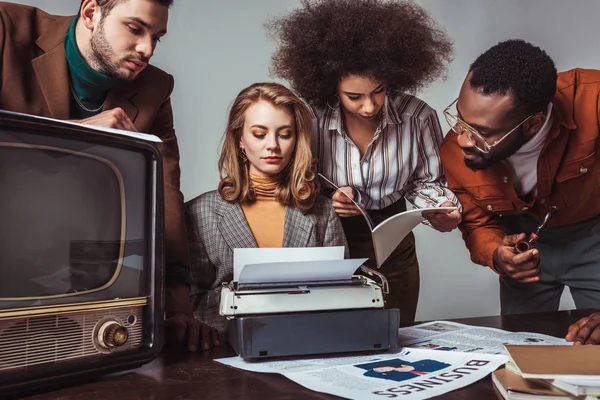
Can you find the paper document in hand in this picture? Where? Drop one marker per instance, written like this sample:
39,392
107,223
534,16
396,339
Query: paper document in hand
388,234
137,135
294,264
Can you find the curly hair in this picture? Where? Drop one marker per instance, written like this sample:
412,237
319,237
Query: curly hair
395,42
520,69
297,185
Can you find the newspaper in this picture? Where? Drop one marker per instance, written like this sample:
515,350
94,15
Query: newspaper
406,373
452,336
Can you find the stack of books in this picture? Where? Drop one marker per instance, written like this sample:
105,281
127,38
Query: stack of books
549,372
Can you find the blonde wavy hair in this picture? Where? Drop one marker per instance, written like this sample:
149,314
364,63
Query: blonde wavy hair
297,185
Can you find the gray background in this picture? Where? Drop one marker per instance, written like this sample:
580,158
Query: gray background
215,48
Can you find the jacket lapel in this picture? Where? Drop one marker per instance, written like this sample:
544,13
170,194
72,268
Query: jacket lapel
123,95
51,68
233,225
298,228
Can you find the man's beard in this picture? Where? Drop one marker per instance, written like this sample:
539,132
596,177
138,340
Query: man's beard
508,150
104,59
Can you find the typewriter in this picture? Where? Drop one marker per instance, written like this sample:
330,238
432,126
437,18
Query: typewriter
292,314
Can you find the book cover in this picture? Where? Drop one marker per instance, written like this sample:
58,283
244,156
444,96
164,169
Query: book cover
513,387
556,362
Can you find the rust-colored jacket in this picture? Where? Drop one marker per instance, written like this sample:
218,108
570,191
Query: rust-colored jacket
35,80
568,171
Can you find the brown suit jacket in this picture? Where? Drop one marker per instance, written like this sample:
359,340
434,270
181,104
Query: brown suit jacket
35,80
568,171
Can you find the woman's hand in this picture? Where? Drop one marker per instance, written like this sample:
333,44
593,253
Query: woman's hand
343,206
443,221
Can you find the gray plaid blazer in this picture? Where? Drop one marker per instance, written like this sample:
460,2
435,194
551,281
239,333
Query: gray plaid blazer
216,227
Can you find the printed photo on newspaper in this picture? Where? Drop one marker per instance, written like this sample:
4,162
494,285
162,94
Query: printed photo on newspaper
452,336
407,373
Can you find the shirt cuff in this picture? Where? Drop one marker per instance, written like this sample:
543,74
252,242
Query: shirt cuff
177,274
490,249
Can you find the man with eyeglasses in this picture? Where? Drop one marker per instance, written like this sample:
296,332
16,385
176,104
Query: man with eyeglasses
524,140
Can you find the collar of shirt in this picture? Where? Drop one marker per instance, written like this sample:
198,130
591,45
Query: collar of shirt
524,162
537,141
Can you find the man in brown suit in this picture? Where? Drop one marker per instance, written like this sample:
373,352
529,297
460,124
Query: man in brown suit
94,68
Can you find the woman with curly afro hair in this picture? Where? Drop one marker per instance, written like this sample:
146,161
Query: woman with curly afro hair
354,62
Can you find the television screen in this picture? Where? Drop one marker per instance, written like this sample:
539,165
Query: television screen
55,202
74,220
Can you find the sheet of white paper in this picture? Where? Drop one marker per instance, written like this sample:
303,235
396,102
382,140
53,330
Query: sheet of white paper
388,234
299,271
137,135
247,256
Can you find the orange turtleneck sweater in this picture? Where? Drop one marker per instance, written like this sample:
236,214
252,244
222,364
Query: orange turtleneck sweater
265,216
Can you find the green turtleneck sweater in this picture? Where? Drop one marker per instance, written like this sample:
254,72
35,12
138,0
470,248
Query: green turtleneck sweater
90,86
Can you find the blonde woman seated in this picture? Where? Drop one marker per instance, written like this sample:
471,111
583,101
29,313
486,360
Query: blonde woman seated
267,196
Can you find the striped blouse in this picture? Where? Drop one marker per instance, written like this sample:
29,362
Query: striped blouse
402,160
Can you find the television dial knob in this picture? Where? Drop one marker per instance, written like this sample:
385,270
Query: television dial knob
116,335
112,334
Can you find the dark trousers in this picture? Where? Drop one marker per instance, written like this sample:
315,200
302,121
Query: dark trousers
569,256
401,269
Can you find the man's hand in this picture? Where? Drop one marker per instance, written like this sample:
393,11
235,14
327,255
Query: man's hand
443,221
181,326
115,118
522,267
585,331
342,205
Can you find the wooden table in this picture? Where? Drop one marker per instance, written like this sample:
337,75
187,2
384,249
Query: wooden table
197,376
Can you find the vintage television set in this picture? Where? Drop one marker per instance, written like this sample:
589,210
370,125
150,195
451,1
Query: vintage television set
81,252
